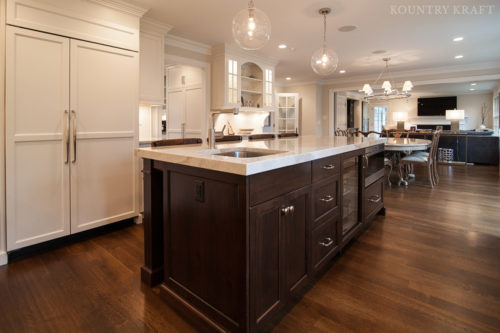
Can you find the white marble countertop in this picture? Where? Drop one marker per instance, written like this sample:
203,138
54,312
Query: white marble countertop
290,151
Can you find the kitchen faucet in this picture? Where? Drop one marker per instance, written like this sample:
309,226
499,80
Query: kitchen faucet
211,123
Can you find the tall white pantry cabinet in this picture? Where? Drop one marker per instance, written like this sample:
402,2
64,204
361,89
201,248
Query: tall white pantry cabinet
71,130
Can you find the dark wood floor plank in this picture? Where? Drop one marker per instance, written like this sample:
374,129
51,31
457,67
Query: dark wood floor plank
432,264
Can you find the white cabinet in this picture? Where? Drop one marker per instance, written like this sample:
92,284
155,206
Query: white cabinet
71,130
288,113
186,107
152,58
37,112
241,79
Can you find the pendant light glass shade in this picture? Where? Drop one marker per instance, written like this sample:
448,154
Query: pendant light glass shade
324,61
251,28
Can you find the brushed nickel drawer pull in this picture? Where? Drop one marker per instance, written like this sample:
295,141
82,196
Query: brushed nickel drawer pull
285,210
328,198
328,167
292,209
375,198
326,242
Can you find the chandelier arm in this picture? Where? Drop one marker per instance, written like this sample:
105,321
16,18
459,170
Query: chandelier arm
251,4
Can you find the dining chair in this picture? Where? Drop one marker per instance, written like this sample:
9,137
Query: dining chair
429,161
175,142
261,137
340,132
367,134
435,173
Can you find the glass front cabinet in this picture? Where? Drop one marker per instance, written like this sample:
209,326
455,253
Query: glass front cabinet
351,194
242,80
287,120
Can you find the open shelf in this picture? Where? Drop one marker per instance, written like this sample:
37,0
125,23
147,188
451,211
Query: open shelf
251,78
251,92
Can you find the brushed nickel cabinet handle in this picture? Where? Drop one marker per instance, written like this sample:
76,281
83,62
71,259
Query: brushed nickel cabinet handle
285,210
328,167
326,242
327,198
291,209
375,198
74,136
66,137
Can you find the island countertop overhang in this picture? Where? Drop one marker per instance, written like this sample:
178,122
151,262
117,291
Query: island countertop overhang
292,151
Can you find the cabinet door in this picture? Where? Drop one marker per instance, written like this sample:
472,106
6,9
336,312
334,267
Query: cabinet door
151,68
294,240
350,190
279,252
265,285
37,175
176,101
104,103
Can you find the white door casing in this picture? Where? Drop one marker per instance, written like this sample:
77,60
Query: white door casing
103,96
37,96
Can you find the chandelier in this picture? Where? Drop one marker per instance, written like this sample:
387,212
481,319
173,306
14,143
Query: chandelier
386,91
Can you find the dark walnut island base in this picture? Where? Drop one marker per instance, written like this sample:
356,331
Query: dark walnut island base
232,250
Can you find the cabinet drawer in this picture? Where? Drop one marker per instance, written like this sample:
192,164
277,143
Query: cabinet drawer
325,167
325,196
374,197
324,241
271,184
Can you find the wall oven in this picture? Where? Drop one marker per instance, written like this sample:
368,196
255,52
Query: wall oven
373,164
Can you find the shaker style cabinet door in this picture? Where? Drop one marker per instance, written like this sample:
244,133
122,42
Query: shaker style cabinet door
104,95
37,168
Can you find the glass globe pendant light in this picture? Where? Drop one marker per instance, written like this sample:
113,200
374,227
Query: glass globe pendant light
251,28
324,61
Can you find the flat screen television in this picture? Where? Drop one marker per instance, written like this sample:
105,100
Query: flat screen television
436,106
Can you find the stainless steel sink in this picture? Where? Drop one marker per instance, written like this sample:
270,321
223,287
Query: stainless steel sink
243,152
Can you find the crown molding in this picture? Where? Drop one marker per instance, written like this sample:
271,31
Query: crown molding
234,50
150,25
183,43
122,6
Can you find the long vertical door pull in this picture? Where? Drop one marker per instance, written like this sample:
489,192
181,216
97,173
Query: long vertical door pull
66,136
73,129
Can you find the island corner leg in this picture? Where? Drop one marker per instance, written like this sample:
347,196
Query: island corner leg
152,271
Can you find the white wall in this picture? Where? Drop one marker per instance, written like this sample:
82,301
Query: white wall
471,103
310,105
3,240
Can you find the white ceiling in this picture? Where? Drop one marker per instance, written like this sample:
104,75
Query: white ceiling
412,41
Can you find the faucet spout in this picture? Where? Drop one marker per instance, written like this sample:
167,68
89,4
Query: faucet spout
211,123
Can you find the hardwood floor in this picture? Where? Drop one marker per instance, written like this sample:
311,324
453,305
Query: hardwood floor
432,264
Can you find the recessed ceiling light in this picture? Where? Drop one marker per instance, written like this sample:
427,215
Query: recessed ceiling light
458,39
282,46
288,78
347,28
472,89
342,71
473,84
379,51
459,56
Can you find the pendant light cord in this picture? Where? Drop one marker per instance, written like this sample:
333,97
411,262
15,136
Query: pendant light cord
324,31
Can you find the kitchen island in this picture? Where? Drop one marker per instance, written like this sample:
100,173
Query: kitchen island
233,240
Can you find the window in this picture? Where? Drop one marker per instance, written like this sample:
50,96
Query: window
379,118
268,88
232,82
496,114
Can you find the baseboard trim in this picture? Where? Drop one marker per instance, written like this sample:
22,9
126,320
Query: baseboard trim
3,258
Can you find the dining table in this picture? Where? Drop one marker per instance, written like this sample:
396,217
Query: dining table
395,146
